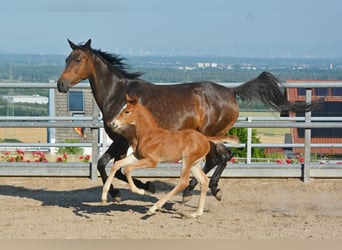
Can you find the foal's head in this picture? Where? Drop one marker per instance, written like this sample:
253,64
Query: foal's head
127,115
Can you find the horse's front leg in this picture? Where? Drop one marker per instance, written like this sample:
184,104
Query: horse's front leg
116,151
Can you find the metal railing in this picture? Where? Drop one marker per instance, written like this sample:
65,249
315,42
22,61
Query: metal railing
88,169
247,169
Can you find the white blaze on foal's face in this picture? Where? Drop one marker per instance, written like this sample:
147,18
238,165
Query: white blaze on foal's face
125,116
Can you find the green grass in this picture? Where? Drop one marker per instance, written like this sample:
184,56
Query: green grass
267,131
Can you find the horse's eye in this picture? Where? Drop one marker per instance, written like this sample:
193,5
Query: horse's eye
127,112
77,60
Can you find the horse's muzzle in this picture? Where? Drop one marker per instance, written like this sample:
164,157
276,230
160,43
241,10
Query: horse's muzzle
113,125
62,86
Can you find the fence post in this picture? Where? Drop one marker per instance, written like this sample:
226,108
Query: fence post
95,143
249,142
307,140
52,113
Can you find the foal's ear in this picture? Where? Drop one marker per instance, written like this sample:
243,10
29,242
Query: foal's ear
132,100
72,45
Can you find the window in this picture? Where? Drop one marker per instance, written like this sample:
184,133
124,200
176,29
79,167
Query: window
301,91
336,91
75,101
322,92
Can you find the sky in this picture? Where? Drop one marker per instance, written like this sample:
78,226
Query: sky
239,28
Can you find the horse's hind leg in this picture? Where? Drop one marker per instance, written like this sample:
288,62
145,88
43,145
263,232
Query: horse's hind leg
223,156
204,181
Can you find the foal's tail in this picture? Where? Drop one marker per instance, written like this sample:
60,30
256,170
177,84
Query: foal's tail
231,139
266,89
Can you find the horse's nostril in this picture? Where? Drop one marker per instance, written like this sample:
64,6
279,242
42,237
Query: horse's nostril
114,125
61,86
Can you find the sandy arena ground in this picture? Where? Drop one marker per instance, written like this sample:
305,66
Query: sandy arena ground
63,208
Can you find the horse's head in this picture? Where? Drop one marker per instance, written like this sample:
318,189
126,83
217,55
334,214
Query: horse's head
78,66
127,115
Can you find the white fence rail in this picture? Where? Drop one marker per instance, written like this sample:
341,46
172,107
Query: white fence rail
248,169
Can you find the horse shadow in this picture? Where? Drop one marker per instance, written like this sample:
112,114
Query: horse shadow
86,202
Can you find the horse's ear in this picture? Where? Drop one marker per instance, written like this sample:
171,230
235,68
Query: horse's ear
132,100
72,45
87,44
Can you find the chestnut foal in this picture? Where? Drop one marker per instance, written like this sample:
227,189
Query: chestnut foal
153,144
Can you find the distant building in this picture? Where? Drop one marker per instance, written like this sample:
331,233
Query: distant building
332,107
200,65
26,99
206,65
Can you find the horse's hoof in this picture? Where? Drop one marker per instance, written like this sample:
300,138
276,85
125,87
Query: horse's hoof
116,194
218,195
186,197
150,187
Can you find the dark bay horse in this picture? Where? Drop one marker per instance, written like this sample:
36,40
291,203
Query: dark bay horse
152,144
210,108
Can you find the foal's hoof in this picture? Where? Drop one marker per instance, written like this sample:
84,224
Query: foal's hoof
151,211
149,187
116,194
196,215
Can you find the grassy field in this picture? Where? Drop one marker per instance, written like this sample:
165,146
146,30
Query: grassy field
24,134
268,135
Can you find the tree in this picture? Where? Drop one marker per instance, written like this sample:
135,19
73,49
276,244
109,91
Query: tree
242,134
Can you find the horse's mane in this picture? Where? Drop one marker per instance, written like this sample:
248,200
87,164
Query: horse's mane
118,63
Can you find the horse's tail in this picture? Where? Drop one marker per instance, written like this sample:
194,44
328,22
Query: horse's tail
266,88
231,139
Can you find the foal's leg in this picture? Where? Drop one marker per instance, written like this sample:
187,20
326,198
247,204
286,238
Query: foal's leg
143,163
118,164
210,163
183,182
218,155
101,167
204,181
116,150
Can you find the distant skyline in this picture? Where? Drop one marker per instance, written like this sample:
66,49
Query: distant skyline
244,28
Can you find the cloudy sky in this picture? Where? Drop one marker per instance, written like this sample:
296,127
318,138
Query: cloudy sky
263,28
